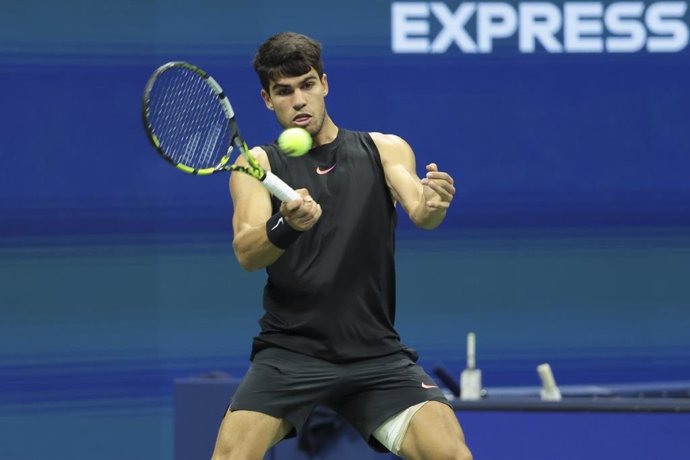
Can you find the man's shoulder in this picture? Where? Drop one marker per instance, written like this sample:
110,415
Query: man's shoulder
260,153
387,140
389,144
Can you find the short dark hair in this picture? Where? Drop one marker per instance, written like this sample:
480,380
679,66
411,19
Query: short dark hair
287,54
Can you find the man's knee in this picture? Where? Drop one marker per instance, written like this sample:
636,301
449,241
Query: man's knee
233,451
434,432
247,435
453,451
227,452
462,452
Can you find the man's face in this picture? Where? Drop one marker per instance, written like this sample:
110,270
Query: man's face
298,101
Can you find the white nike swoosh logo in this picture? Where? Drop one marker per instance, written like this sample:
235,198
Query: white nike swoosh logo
325,171
427,387
280,221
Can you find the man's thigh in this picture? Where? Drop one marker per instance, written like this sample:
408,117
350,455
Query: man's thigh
382,387
247,434
285,385
434,432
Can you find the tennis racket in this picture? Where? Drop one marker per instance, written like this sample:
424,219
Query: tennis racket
191,124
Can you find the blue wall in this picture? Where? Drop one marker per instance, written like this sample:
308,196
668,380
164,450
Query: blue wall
568,240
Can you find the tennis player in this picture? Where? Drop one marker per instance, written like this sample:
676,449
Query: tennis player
327,336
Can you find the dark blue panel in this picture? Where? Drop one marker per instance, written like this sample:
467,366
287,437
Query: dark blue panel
532,141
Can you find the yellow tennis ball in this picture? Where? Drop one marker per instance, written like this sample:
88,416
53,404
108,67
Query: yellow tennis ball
294,142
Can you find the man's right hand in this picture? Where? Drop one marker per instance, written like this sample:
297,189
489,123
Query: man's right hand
301,214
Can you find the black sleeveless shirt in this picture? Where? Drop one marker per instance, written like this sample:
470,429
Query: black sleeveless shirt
332,293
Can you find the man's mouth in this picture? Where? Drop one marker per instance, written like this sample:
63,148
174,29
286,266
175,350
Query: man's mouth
302,119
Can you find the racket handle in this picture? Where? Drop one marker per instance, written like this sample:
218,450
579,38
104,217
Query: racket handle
278,188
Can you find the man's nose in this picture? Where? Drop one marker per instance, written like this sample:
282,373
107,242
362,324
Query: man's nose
298,100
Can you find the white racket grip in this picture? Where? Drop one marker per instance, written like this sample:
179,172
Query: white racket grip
278,188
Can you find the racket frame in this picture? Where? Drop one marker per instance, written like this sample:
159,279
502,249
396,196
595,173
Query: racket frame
274,184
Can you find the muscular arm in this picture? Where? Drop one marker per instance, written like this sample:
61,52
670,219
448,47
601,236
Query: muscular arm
252,208
424,200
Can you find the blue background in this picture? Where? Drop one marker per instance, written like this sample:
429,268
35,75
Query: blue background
567,242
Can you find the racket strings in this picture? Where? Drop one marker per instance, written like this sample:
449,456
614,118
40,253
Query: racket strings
188,119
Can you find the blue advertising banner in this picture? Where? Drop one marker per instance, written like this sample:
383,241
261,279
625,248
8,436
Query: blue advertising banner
548,114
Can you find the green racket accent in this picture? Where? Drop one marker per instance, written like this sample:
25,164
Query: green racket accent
155,140
186,169
254,169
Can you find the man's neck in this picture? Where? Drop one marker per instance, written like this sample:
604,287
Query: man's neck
327,134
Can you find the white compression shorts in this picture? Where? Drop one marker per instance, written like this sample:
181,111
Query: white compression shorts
392,432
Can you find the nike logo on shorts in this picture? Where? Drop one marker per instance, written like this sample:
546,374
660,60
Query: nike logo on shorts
428,387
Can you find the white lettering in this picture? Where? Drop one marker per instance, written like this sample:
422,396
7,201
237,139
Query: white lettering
453,28
621,19
663,18
494,20
539,21
408,19
582,27
573,27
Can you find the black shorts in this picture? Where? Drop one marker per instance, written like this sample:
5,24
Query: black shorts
288,385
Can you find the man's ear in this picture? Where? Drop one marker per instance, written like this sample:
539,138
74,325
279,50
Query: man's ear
324,83
267,99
